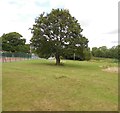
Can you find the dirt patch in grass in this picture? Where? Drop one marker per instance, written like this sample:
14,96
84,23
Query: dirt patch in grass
111,69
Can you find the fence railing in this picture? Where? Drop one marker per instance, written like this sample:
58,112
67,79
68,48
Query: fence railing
10,57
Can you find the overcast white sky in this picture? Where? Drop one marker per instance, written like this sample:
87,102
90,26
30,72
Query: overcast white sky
98,18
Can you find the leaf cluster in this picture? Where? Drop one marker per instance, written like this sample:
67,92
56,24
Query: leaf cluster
57,33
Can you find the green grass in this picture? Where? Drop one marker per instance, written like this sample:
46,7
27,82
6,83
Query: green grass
37,85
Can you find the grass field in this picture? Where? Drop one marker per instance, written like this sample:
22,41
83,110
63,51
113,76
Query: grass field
39,85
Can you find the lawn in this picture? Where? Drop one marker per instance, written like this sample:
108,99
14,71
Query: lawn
40,85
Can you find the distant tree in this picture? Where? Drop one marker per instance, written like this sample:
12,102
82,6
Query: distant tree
0,43
24,48
13,42
119,52
87,54
58,34
113,52
94,50
103,51
79,52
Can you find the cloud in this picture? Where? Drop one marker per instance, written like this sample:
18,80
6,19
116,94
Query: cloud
19,15
40,3
116,42
85,23
96,17
113,32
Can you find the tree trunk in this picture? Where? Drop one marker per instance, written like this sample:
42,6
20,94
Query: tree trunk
57,56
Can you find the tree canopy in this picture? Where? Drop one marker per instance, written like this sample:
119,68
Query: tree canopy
13,42
104,52
57,34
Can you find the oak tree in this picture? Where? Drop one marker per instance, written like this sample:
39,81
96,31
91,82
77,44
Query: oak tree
57,33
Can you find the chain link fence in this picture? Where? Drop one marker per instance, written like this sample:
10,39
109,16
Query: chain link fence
9,57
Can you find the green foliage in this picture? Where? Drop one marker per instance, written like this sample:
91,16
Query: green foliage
0,43
25,48
104,52
79,54
58,34
87,54
13,42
